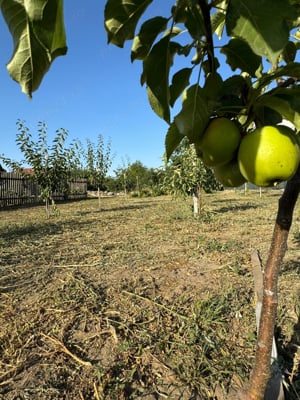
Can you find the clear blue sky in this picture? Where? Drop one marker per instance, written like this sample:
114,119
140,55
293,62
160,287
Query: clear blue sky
92,90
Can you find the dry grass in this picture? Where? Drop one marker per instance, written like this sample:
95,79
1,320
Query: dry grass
139,300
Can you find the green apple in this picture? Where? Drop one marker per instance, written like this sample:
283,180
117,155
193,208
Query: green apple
229,175
219,142
269,155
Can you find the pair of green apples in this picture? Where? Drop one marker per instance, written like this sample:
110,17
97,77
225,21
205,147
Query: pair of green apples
265,157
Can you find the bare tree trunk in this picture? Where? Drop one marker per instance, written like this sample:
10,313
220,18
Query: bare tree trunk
195,203
47,206
197,200
99,199
261,370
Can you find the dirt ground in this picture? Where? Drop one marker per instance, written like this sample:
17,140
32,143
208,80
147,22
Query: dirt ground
140,300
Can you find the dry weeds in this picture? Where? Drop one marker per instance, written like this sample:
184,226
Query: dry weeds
139,300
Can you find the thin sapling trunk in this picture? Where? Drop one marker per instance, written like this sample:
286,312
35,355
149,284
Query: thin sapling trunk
261,370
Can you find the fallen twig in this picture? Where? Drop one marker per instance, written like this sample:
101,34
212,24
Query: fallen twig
66,350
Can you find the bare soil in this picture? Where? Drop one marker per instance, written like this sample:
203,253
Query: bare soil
139,300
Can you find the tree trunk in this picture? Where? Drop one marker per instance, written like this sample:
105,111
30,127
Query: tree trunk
47,206
261,370
99,199
197,201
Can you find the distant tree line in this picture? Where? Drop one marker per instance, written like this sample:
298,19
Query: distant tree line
52,164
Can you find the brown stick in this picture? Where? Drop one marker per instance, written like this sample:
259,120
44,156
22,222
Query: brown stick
261,370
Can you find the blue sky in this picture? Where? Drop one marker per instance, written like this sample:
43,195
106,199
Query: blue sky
93,90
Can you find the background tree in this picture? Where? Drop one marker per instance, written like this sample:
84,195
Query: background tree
186,175
98,162
137,178
52,164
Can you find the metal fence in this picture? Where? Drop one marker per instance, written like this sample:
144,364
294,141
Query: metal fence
17,189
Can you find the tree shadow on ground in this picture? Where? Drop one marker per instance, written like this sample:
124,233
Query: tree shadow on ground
104,209
242,207
289,358
291,266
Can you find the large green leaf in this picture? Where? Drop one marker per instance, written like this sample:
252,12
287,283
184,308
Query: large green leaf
37,28
262,23
121,18
156,69
194,115
239,55
143,42
194,21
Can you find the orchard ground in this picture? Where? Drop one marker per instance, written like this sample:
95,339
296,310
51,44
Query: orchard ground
140,300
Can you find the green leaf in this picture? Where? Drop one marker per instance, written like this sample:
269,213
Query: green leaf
232,94
156,75
289,52
218,19
180,81
37,28
264,24
173,139
121,18
267,116
239,55
143,42
290,70
286,102
213,86
194,21
194,115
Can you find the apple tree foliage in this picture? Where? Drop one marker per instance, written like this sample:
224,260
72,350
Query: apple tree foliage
98,161
186,175
183,56
52,164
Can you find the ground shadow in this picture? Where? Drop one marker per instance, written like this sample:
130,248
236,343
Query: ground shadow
231,208
104,209
289,354
291,266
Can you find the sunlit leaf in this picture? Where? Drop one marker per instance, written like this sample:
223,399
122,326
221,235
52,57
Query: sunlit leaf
218,22
121,18
262,23
239,55
37,28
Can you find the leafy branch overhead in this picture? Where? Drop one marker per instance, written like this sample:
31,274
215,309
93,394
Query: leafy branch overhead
259,47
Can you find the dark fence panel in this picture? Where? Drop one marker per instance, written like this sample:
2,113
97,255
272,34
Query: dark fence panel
17,189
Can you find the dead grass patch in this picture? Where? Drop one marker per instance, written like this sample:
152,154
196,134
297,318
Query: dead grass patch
140,300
